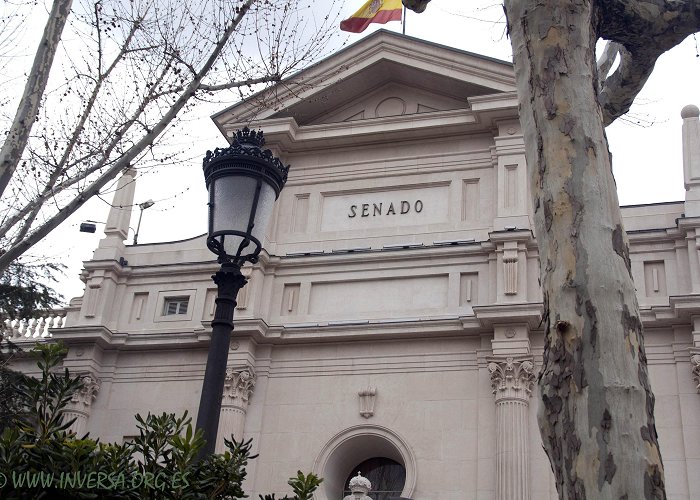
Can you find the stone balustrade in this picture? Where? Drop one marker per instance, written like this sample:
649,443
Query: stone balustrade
33,328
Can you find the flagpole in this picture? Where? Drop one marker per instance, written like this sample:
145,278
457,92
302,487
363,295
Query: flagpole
404,20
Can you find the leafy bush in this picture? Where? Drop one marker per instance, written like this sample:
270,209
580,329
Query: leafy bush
41,459
11,402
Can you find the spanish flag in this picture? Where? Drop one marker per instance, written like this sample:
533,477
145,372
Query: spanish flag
373,11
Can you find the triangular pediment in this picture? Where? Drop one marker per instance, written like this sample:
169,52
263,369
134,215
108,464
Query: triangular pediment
393,96
385,74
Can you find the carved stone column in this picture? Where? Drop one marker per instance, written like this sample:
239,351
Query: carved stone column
79,406
512,380
238,388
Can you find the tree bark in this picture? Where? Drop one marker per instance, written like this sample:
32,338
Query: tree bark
596,413
28,108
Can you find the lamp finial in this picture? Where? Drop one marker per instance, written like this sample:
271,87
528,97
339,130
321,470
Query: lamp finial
247,136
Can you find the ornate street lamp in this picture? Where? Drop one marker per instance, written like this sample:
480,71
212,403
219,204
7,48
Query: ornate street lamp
243,182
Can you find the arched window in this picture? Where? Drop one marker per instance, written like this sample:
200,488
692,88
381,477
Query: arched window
386,475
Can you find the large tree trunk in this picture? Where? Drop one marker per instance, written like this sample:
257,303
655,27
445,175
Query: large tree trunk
597,409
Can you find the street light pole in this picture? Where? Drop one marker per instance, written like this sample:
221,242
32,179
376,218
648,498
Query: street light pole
143,206
229,281
243,182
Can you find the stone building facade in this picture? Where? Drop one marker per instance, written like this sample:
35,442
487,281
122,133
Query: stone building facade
395,312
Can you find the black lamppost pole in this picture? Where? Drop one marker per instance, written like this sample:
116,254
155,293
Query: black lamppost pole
243,182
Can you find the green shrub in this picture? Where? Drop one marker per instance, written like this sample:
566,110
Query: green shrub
41,459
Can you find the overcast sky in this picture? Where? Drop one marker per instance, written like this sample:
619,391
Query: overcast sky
647,160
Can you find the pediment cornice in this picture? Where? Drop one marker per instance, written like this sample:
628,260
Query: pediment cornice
287,136
379,59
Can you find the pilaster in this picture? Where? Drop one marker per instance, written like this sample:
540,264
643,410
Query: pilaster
108,263
80,404
691,228
509,160
117,226
238,387
512,380
691,159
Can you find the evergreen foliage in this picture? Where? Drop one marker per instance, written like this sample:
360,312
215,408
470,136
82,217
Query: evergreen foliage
11,402
26,289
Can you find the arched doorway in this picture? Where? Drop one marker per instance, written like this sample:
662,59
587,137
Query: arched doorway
339,459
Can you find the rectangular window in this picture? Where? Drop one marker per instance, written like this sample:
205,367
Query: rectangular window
175,305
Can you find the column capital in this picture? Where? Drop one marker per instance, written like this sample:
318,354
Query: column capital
83,397
512,377
238,385
695,363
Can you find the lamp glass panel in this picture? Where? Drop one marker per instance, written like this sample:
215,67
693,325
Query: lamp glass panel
233,200
262,217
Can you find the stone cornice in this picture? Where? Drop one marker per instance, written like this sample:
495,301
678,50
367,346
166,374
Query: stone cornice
507,313
679,310
405,256
285,135
263,333
520,234
375,329
107,339
687,223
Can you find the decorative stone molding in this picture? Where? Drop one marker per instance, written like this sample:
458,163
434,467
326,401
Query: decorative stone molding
510,272
85,396
695,361
239,385
367,399
512,378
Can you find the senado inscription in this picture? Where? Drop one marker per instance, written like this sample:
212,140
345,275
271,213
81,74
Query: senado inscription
379,209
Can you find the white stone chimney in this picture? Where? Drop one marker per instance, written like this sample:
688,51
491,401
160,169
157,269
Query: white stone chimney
691,159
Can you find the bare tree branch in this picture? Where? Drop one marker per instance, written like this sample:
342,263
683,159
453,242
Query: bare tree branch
606,61
29,215
646,29
146,62
17,138
273,78
620,89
